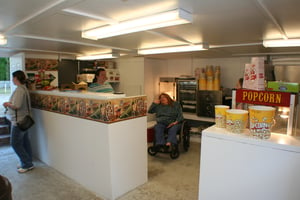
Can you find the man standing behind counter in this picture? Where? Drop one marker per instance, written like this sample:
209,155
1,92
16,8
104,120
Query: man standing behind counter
100,83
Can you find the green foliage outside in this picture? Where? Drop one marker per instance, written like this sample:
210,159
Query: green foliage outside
4,69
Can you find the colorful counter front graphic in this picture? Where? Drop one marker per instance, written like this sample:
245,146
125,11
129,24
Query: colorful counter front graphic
107,111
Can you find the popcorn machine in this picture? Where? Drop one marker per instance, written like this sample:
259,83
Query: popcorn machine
284,102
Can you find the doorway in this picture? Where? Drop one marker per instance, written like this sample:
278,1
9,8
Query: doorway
5,89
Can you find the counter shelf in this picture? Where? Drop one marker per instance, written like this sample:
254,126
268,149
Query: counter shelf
276,141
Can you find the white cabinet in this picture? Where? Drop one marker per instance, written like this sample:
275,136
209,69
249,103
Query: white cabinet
239,167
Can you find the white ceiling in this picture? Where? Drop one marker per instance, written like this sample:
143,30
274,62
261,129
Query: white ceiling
230,27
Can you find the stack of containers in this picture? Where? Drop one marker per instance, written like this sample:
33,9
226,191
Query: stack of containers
202,80
209,78
217,75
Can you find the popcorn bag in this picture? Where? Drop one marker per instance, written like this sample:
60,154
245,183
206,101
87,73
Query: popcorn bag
254,74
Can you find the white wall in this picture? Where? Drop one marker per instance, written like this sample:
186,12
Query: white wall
154,68
131,75
231,68
179,67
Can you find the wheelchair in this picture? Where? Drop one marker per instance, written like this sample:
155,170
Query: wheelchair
183,135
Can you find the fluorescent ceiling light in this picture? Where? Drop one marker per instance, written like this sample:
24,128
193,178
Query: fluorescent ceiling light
173,49
98,57
282,43
169,18
3,40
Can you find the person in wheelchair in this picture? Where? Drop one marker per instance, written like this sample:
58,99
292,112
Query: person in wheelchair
169,118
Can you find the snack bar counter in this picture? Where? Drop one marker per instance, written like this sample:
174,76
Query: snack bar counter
97,140
239,166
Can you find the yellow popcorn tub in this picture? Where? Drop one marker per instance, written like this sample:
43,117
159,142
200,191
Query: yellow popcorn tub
261,121
236,120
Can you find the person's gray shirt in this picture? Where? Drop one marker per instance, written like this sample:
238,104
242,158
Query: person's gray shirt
19,100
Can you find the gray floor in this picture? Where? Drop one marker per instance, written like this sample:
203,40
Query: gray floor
167,179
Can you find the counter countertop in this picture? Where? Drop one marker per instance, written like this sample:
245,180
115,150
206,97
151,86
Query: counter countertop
80,94
276,141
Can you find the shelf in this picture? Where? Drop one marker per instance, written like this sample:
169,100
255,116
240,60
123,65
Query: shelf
189,102
187,91
193,116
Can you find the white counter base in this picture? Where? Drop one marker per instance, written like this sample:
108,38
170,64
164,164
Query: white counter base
239,167
107,159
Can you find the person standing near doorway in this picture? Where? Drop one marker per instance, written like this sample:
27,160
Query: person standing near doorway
18,107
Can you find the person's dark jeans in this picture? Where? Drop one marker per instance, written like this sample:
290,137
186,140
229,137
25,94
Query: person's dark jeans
9,124
159,133
21,144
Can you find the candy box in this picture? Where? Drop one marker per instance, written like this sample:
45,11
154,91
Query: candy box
283,86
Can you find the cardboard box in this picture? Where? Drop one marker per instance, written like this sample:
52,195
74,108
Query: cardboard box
80,86
283,86
85,77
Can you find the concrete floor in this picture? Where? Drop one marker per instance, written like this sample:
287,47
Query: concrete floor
167,179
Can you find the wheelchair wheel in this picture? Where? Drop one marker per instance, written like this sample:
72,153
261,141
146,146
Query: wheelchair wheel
174,152
152,151
186,142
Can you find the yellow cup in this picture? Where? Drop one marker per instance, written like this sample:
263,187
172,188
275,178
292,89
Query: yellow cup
220,115
261,121
236,120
